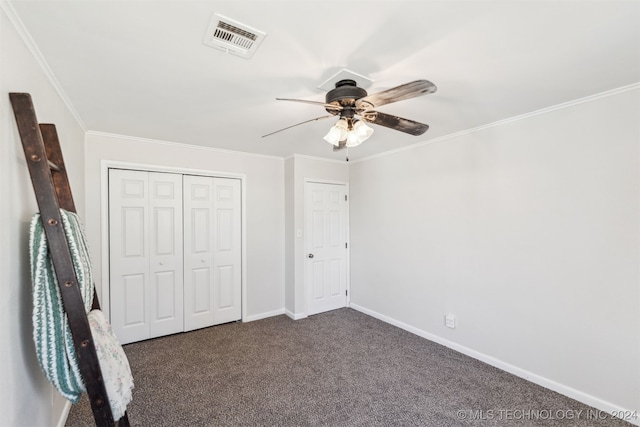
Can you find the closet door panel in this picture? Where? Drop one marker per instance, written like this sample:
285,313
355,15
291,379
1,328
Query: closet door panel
227,253
165,260
133,288
201,291
129,254
198,252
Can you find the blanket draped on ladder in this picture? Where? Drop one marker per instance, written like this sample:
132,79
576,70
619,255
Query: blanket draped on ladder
52,337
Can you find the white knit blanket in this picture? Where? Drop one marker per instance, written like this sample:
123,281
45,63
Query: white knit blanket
52,336
114,365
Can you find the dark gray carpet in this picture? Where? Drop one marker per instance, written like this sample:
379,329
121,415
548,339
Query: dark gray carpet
340,368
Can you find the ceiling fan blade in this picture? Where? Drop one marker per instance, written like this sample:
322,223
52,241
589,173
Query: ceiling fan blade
395,94
322,104
395,122
298,124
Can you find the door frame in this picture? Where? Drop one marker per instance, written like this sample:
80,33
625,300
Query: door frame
306,242
105,165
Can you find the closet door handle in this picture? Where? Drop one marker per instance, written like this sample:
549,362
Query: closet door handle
310,255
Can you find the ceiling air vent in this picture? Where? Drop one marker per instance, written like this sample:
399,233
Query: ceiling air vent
233,37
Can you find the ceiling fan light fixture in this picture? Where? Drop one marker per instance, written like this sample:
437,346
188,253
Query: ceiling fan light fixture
337,133
359,133
362,130
353,140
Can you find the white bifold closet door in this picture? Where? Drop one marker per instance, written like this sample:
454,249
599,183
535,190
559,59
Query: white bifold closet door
175,252
146,260
212,253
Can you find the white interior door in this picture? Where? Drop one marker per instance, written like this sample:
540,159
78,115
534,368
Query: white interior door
212,232
227,254
165,256
145,234
129,254
326,242
198,252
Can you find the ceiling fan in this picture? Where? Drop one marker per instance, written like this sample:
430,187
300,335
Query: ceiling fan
355,107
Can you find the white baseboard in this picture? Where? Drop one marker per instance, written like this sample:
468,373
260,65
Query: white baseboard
64,415
295,316
578,395
263,315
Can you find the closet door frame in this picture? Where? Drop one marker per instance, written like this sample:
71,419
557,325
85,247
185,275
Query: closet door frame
105,165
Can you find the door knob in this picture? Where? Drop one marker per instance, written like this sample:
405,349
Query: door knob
310,255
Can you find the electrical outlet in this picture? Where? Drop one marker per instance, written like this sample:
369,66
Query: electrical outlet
450,321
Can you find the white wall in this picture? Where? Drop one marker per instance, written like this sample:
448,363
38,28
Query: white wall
300,169
264,206
26,399
528,232
290,239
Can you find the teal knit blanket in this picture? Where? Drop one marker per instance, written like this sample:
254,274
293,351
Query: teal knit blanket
54,345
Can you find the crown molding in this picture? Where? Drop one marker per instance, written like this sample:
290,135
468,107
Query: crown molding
24,34
545,110
181,145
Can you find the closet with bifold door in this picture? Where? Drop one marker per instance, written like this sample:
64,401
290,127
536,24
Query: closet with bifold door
174,252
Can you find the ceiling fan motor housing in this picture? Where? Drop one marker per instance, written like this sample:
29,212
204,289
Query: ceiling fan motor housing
345,89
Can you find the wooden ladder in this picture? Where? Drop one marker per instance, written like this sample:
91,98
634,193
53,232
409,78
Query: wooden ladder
51,186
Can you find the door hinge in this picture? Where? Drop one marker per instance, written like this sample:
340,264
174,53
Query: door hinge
345,197
346,293
345,245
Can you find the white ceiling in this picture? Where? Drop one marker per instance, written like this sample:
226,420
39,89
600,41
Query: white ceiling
140,68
